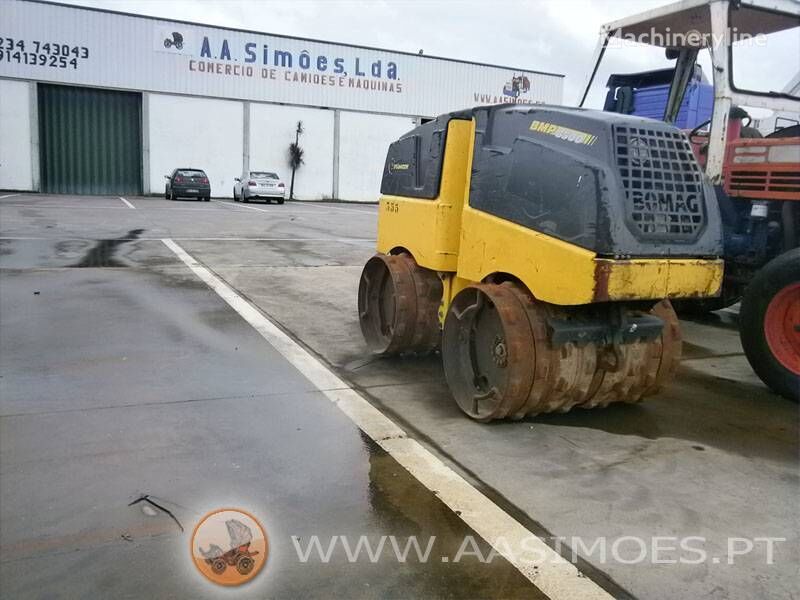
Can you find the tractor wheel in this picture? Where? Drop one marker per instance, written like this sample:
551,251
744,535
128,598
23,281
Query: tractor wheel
769,324
398,304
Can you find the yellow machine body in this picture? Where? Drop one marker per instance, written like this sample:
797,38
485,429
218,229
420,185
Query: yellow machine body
465,245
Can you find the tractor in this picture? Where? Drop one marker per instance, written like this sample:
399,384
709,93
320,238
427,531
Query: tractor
538,247
756,179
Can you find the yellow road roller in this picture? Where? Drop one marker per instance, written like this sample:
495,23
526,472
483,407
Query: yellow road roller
537,248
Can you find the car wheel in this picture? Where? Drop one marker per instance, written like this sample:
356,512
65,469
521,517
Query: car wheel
208,198
235,199
244,198
166,194
281,200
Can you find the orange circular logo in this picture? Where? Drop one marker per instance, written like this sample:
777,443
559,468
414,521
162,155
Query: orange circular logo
229,546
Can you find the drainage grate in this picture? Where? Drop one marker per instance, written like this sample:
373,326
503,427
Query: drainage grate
662,181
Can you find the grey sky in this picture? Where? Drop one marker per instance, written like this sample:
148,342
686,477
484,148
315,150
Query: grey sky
548,35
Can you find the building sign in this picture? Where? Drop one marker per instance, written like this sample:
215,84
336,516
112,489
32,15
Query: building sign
71,45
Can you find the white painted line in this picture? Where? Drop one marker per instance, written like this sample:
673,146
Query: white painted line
293,205
63,206
84,207
8,196
205,239
352,210
128,204
558,578
240,205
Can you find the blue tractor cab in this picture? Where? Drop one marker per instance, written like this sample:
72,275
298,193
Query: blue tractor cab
645,95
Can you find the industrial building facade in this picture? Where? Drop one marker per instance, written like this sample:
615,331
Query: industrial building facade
98,102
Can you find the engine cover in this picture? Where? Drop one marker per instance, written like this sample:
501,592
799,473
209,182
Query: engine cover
618,185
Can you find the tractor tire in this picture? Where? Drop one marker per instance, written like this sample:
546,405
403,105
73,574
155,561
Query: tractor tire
769,324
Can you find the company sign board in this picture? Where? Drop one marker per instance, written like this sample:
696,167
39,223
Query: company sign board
61,44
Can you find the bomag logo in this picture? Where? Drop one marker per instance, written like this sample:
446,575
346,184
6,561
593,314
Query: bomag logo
398,167
665,202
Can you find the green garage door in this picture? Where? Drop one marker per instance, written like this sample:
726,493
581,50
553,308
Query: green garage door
90,140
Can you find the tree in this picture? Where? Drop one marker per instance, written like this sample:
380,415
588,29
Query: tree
295,156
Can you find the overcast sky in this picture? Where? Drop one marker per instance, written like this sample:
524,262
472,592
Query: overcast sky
547,35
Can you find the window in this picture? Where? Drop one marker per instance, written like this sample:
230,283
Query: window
766,62
414,163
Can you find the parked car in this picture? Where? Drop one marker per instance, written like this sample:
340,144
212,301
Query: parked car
187,183
259,184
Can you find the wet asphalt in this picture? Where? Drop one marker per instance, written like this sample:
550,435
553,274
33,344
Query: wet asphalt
125,375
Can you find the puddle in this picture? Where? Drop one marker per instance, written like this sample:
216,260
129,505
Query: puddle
102,254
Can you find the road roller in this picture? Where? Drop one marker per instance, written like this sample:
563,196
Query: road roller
537,249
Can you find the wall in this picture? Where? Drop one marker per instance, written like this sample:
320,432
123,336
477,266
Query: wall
118,51
272,129
195,132
16,171
363,141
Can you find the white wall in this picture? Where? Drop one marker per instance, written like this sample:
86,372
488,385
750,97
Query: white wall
195,132
16,172
363,141
272,129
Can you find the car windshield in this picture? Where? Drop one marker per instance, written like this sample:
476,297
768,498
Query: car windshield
263,175
190,173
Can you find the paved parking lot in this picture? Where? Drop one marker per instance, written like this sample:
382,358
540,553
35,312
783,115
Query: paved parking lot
125,374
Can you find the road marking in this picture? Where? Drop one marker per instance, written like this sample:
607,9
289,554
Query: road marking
201,239
128,204
8,196
352,210
241,205
78,207
544,567
289,207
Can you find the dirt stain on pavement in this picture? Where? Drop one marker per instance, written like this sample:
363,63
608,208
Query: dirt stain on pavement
103,253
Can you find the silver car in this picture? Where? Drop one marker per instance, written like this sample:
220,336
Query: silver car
259,184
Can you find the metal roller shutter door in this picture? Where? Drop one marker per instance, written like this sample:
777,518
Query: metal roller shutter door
90,140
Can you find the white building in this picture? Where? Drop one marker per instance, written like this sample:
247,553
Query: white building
94,101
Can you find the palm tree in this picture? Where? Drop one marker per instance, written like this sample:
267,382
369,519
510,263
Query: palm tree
295,156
